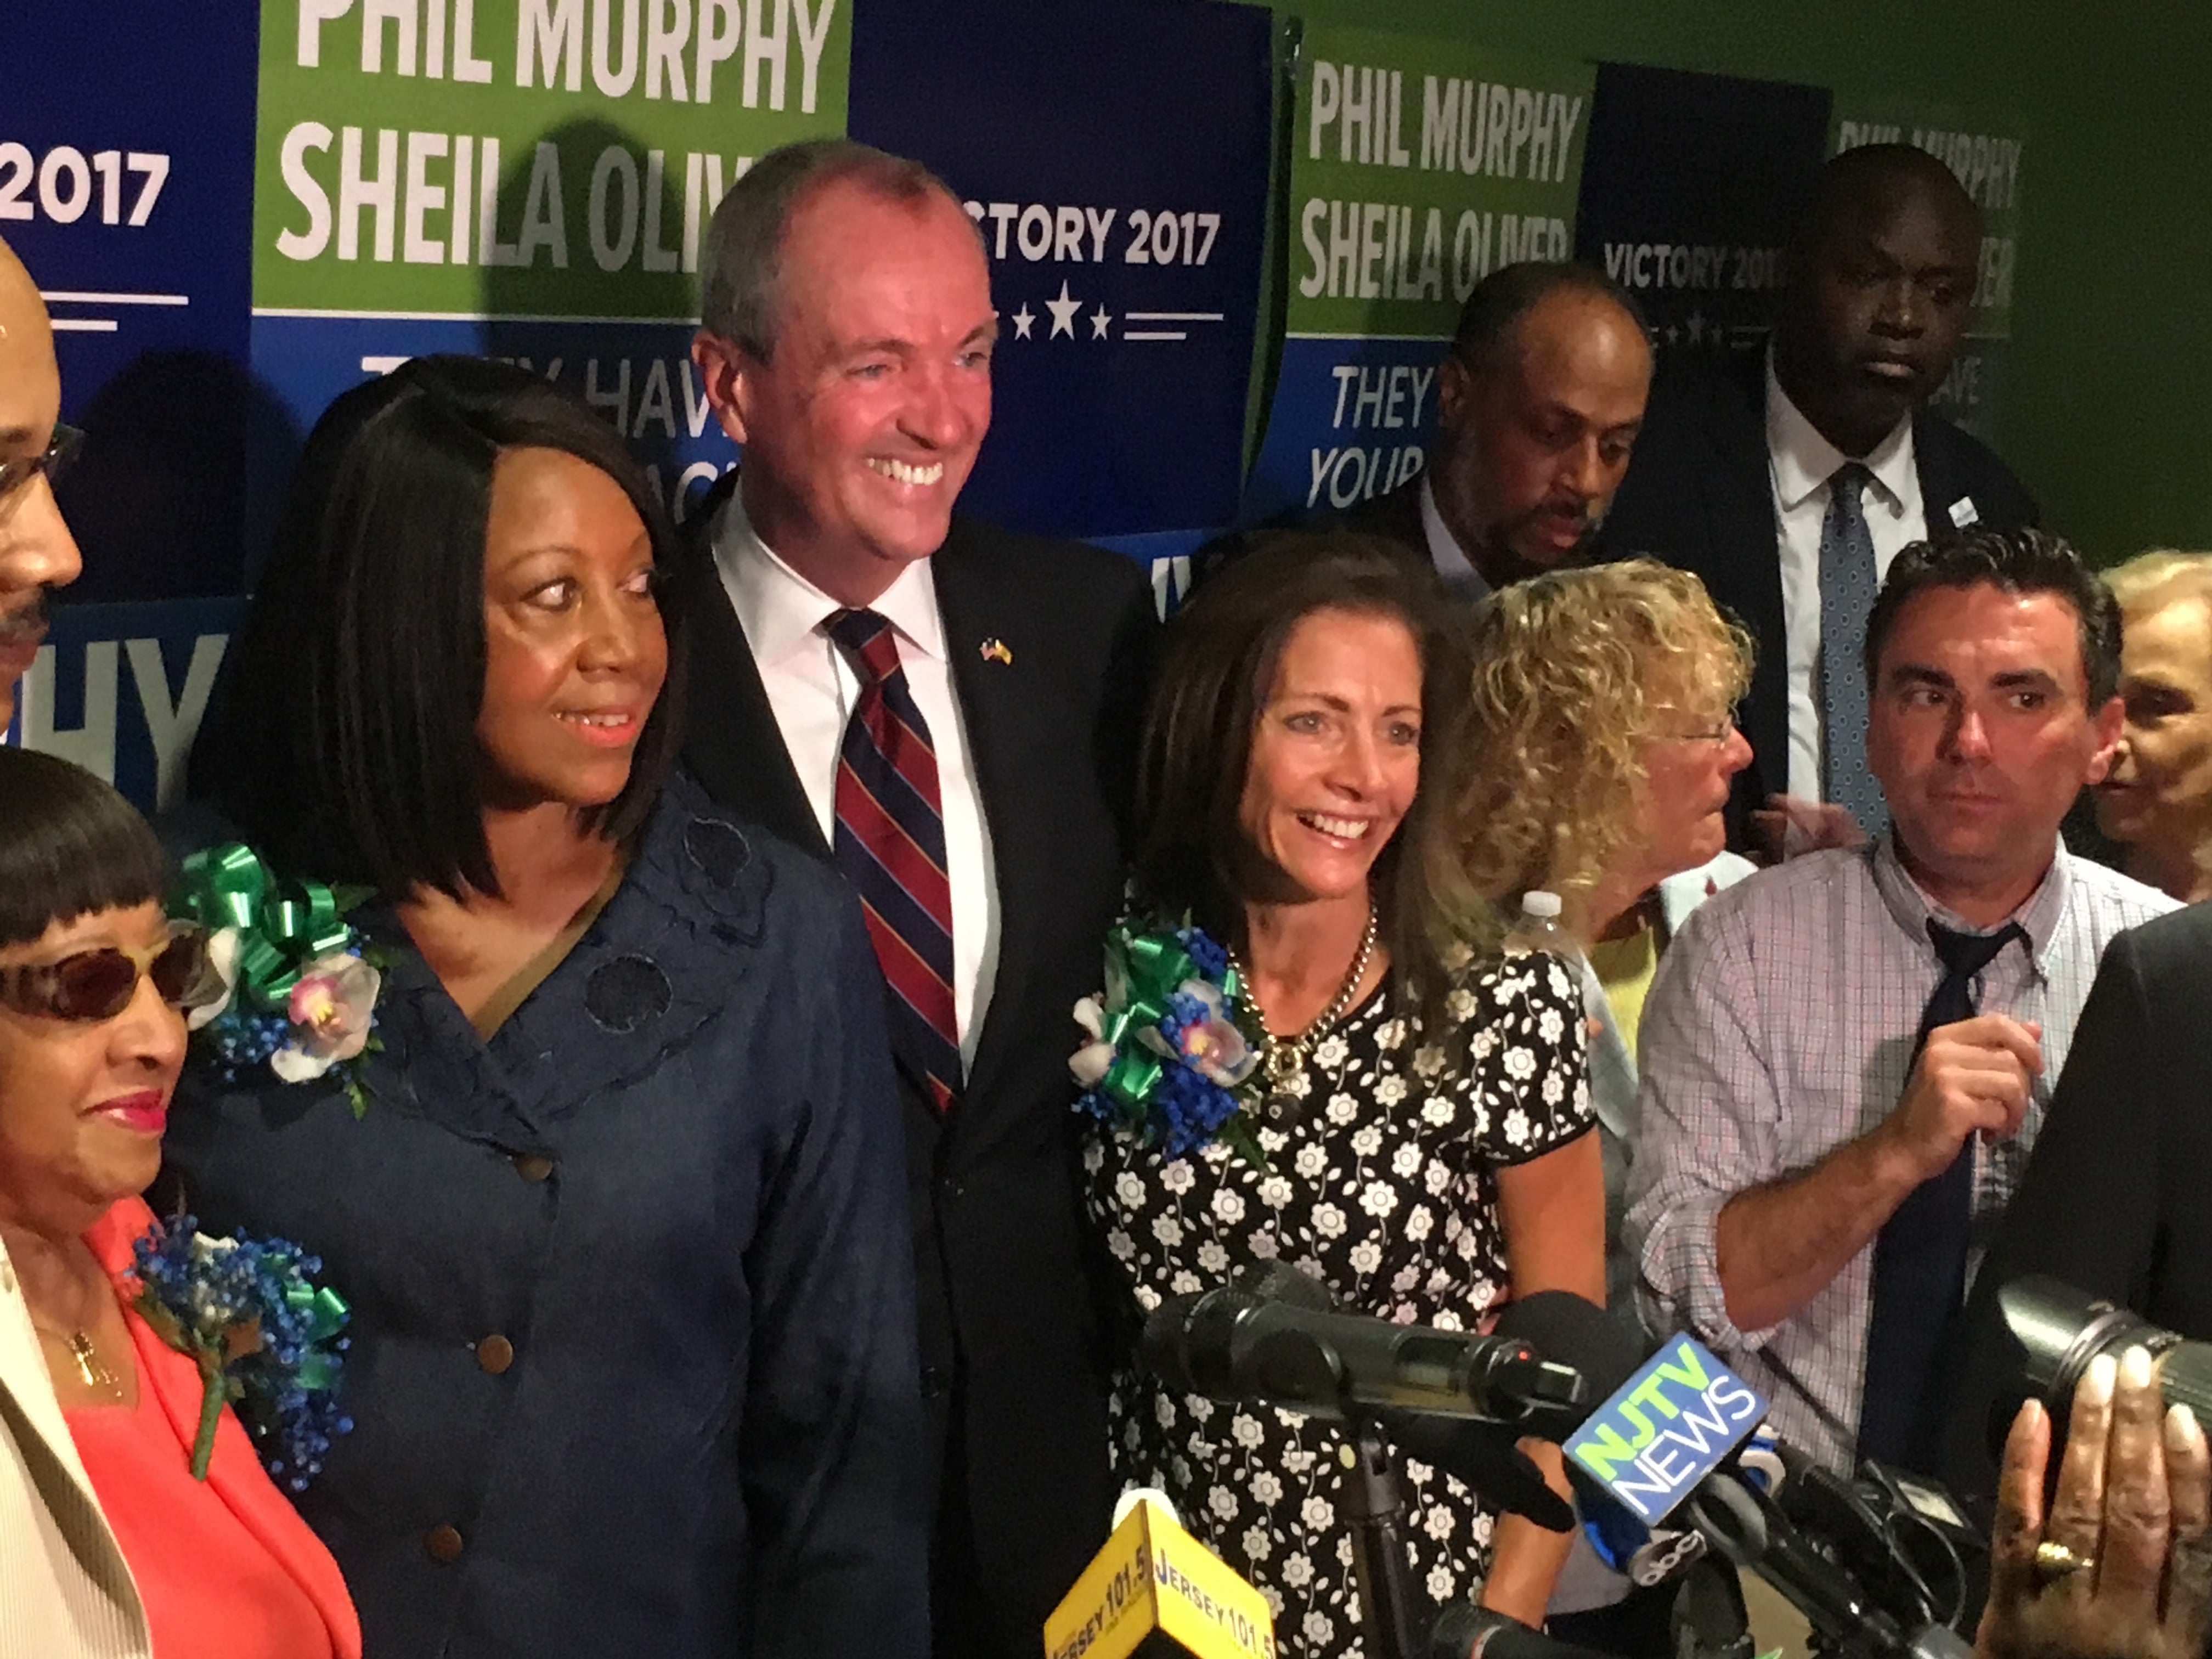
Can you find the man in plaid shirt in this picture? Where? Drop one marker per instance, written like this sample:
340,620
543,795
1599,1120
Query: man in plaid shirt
1833,1119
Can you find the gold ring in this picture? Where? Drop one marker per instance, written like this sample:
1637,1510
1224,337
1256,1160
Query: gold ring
2055,1561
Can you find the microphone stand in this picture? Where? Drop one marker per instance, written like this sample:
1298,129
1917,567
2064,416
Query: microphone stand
1376,1509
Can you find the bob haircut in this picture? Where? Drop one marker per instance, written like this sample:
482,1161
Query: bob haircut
1575,671
1221,652
343,739
69,846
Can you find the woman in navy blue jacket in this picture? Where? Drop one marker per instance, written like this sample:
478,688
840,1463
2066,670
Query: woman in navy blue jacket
623,1224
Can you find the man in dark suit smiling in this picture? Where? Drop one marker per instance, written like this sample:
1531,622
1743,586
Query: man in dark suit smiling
949,712
1788,481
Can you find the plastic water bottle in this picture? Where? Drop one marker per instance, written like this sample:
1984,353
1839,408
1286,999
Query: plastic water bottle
1537,928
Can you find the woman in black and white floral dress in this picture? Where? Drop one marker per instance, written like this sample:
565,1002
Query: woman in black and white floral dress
1426,1139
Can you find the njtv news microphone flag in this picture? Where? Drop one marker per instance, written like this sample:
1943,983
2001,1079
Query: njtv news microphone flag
1417,167
1154,1583
1666,1429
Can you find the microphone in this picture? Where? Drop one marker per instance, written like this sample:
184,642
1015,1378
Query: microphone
1241,1342
1154,1590
1464,1631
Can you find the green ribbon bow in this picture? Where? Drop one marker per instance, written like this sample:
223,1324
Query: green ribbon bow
282,926
1150,968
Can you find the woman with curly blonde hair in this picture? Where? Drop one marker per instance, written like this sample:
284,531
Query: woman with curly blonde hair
1598,740
1593,761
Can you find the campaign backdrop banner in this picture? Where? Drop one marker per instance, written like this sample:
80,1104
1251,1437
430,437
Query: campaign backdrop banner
120,688
1691,186
1115,161
126,144
526,178
1986,152
1417,167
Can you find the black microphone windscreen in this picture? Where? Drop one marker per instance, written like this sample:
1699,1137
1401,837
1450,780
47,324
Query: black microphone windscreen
1571,1330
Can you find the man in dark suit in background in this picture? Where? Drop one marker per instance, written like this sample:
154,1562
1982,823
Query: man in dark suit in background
949,712
1539,399
1788,482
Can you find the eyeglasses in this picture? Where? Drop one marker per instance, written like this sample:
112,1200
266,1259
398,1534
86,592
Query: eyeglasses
96,985
61,449
1718,732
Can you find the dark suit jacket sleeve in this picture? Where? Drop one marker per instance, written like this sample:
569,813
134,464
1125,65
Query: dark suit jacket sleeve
2088,1212
831,1459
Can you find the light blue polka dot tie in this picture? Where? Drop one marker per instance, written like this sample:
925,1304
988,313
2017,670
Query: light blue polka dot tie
1847,589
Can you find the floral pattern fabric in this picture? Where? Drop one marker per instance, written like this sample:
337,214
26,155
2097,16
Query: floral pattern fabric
1385,1188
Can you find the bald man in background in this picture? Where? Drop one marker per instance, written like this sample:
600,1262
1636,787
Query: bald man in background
37,553
1788,480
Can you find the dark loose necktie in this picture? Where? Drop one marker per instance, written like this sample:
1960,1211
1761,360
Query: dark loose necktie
890,844
1920,1256
1847,590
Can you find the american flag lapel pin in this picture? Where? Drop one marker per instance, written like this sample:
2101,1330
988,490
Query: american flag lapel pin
995,649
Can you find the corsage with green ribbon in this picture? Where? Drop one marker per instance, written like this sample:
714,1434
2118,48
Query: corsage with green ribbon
1168,1052
299,992
264,1336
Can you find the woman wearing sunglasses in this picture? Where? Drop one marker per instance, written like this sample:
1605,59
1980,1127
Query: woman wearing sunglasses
623,1220
108,1546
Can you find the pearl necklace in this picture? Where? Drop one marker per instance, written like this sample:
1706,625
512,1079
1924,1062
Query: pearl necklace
1283,1059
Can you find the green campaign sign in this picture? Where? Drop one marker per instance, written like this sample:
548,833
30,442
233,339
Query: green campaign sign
1417,167
537,158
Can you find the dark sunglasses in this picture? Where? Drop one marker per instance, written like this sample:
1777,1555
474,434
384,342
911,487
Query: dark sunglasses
93,985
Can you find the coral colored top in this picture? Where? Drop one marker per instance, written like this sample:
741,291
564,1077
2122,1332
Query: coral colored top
226,1570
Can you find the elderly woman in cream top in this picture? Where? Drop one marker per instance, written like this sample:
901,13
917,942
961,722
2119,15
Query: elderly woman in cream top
64,1588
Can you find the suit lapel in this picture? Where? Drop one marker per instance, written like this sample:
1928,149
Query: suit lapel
1943,484
731,743
1002,707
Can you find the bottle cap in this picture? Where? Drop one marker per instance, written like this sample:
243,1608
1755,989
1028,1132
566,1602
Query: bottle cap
1538,903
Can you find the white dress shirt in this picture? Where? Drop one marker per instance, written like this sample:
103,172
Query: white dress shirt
1461,579
1800,463
812,687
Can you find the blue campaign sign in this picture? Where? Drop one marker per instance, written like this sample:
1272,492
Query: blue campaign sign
1690,184
1665,1428
1115,160
126,172
120,688
1351,420
638,375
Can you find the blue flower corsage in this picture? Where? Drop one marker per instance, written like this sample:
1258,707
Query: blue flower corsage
1167,1052
297,983
264,1336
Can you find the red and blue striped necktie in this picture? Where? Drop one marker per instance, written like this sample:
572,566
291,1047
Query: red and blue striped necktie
890,844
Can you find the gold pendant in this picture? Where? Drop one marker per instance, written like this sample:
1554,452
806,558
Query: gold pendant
89,1367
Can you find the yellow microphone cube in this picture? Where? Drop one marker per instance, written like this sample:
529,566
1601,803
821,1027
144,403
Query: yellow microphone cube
1155,1590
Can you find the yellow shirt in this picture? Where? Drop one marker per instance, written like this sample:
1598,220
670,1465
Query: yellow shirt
1625,967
